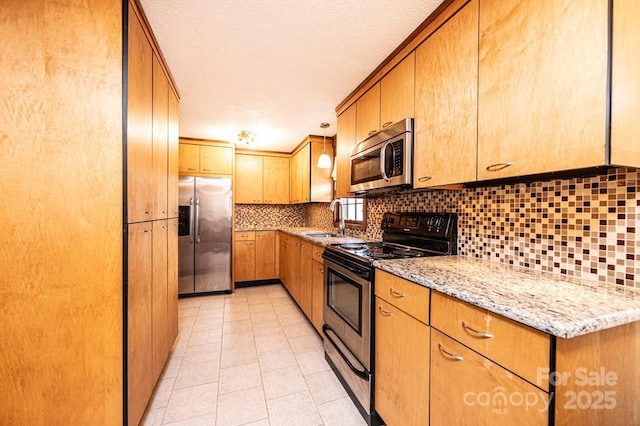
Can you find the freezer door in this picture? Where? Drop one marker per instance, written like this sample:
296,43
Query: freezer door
213,210
186,200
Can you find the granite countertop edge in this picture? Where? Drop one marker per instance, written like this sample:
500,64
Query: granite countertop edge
565,321
302,231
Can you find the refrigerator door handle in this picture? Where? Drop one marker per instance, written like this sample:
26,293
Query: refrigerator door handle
191,220
197,220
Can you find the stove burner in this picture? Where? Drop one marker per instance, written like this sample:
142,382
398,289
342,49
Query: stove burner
354,246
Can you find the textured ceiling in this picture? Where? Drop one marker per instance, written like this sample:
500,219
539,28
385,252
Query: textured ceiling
277,68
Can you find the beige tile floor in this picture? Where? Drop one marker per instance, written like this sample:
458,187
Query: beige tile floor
249,358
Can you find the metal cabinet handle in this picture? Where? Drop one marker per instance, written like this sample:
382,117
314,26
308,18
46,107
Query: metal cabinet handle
449,355
373,131
191,169
385,313
148,212
387,123
425,178
499,166
475,332
206,170
147,230
396,293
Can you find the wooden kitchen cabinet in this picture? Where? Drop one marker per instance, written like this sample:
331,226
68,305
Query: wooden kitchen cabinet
368,113
140,172
254,255
542,97
402,351
199,157
300,180
140,379
317,293
275,178
248,179
308,182
467,388
160,144
265,255
346,139
159,296
397,92
305,269
173,157
446,117
172,282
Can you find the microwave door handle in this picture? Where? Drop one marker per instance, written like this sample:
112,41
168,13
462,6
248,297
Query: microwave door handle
383,162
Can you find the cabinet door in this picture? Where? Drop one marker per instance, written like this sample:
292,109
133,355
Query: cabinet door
446,102
160,140
542,97
265,255
305,276
397,92
305,173
275,182
140,200
244,254
294,180
368,113
293,265
216,160
248,179
402,367
467,388
172,282
140,380
346,140
173,157
159,293
317,296
283,255
189,162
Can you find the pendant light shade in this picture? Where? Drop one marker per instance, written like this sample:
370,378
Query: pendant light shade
324,161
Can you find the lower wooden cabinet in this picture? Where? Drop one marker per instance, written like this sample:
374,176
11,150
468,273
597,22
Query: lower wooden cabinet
317,294
467,388
305,276
152,307
254,256
402,367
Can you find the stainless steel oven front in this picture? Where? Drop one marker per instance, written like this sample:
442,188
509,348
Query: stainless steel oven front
347,316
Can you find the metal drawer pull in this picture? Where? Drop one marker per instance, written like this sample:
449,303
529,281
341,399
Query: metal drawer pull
449,354
425,178
396,293
388,123
385,313
482,334
499,166
373,131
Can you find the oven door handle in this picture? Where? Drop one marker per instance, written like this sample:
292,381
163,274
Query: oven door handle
360,373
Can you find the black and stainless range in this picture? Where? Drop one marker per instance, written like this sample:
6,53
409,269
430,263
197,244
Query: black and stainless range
349,293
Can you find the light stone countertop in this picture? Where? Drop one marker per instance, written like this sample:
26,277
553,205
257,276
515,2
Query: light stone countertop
303,232
559,305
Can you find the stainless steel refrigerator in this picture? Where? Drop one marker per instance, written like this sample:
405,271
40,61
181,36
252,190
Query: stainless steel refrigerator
204,235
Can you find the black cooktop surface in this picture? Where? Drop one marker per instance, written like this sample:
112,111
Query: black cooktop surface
382,250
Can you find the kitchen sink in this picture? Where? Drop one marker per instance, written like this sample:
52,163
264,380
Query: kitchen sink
320,234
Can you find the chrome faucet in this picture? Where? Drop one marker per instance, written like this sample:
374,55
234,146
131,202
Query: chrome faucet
332,208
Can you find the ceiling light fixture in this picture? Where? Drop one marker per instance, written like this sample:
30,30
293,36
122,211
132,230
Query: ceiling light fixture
324,161
246,137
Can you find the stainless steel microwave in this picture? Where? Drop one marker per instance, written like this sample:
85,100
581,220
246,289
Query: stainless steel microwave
383,161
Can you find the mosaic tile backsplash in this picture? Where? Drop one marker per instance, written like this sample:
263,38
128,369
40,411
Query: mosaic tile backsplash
582,227
318,216
269,215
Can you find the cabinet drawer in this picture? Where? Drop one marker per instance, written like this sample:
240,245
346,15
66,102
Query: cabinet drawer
317,253
244,236
410,297
516,347
467,388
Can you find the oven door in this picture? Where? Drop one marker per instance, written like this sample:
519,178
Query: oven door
347,308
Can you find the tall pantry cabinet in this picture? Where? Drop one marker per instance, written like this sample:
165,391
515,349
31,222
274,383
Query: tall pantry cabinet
88,253
152,147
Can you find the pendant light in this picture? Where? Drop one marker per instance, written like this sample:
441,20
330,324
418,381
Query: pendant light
324,161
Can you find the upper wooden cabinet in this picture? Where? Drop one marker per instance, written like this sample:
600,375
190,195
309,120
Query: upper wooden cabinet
173,157
275,180
160,141
397,90
446,119
248,179
346,139
201,157
261,179
542,97
308,182
368,113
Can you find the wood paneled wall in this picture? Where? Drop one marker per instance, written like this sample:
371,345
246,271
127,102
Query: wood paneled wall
61,212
